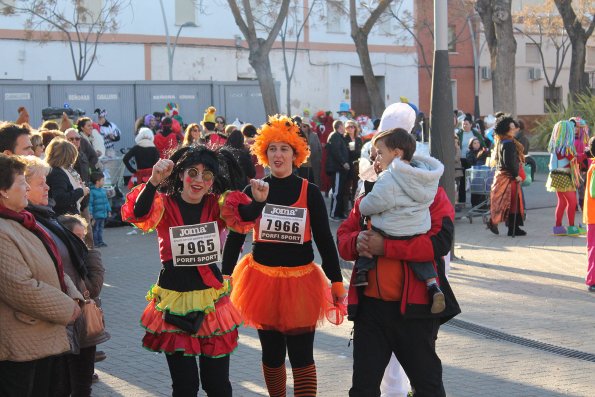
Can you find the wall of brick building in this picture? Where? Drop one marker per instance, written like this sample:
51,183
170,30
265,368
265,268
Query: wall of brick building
461,61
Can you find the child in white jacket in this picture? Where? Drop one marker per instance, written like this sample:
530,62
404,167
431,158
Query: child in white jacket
399,202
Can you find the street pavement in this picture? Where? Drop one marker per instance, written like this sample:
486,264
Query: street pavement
530,287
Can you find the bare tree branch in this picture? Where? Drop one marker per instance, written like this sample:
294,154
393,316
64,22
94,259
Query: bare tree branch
81,30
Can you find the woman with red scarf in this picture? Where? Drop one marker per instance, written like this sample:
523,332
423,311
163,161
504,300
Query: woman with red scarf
37,300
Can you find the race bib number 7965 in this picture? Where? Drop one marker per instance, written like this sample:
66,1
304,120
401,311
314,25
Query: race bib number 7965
195,245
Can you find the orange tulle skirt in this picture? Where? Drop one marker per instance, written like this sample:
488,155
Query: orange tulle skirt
217,336
286,299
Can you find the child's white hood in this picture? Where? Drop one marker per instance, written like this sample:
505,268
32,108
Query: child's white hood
418,179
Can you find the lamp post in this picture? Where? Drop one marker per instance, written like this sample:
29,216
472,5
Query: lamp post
170,50
441,125
173,50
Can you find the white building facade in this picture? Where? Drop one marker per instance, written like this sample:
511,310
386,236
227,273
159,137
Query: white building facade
327,71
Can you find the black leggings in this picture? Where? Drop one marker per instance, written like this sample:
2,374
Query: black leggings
214,373
275,345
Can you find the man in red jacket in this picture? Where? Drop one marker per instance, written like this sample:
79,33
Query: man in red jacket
392,313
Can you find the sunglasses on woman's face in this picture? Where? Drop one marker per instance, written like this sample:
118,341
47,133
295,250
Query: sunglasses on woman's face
206,176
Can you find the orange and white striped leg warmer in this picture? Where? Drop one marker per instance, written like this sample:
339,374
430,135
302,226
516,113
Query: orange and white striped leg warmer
276,380
304,381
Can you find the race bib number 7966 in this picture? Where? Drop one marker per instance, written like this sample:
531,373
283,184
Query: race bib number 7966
282,224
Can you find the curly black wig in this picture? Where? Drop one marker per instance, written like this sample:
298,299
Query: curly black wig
222,163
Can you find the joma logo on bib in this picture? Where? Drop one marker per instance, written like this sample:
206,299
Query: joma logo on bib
283,211
193,231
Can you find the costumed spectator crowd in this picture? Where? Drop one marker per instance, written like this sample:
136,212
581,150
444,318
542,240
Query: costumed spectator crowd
220,181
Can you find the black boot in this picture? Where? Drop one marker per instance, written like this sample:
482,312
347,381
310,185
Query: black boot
513,226
493,228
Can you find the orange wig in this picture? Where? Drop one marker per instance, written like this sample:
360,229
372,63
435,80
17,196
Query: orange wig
280,128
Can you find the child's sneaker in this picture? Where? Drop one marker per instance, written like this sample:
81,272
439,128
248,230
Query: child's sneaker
361,279
559,231
572,231
437,296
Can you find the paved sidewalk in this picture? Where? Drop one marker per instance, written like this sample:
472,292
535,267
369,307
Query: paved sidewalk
531,287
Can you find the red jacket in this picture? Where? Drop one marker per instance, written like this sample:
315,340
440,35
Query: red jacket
165,144
432,246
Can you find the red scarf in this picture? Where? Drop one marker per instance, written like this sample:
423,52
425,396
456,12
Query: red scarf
26,219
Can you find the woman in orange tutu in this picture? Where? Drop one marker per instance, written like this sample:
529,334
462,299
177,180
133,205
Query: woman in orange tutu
189,312
278,288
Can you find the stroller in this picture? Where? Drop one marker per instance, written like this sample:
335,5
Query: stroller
479,180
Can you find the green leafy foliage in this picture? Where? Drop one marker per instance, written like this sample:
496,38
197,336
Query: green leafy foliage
583,106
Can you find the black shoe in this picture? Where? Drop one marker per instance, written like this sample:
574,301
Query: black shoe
493,228
591,288
437,296
517,232
361,279
100,356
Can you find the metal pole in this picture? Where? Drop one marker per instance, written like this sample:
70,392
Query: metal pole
441,124
173,51
476,112
170,58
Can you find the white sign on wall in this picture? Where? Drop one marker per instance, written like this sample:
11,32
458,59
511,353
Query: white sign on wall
17,96
79,97
107,97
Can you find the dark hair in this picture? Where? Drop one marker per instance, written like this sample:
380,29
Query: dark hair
166,126
48,135
228,174
503,124
69,221
479,123
469,118
9,133
590,149
297,120
80,123
249,131
376,123
96,176
49,125
220,118
337,124
397,138
10,167
521,124
473,138
235,140
210,126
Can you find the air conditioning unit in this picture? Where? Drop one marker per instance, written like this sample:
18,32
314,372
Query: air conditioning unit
486,73
534,73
